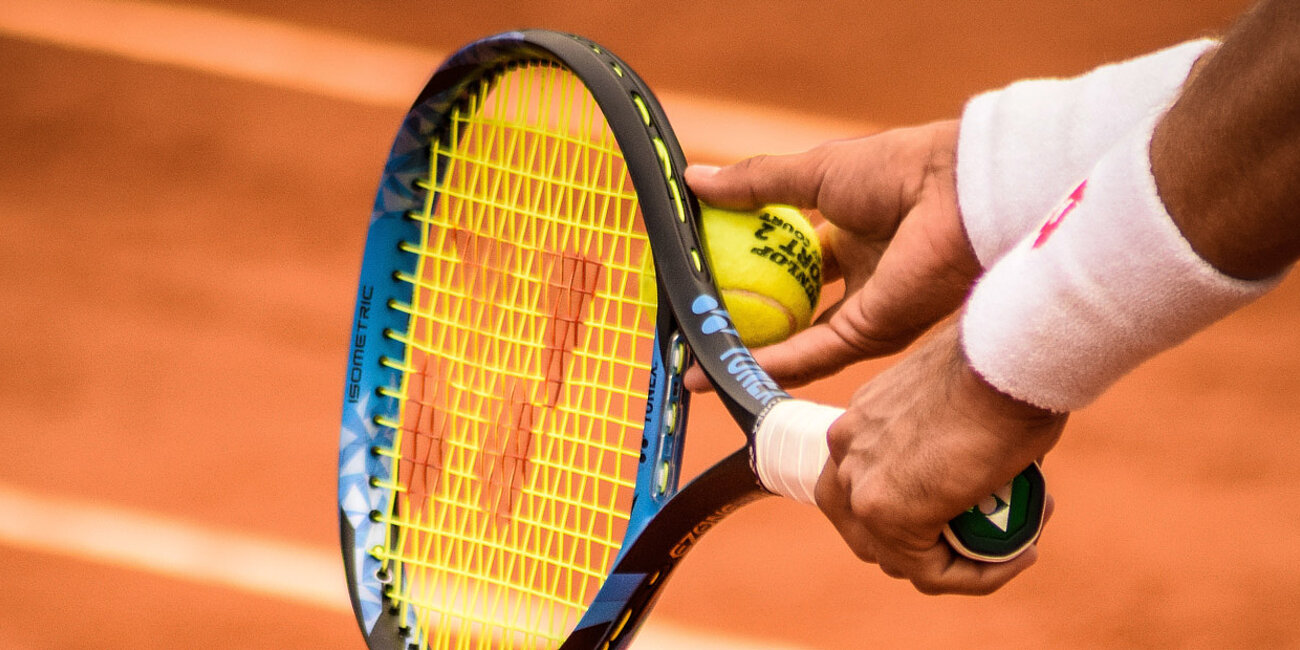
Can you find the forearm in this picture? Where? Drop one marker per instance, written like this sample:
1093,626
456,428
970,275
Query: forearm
1226,157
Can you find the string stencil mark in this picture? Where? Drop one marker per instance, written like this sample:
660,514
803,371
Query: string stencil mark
526,371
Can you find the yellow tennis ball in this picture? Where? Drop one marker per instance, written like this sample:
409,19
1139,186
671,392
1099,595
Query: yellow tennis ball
768,267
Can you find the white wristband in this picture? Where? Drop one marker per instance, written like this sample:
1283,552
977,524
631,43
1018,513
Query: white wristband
1107,282
1021,148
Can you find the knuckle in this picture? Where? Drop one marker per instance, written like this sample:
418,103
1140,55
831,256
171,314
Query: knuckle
755,171
984,588
869,506
864,552
754,163
839,438
858,541
893,571
928,586
867,334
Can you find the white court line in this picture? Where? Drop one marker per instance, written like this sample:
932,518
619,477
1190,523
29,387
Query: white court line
171,547
193,552
364,71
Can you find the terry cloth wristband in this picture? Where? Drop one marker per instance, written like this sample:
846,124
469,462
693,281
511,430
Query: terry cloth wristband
1021,148
1105,283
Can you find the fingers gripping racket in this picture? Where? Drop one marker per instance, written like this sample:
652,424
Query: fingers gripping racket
514,412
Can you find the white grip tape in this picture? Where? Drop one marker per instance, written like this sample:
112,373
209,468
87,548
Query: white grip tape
790,447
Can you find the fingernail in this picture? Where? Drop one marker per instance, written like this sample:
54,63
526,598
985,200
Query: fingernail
702,171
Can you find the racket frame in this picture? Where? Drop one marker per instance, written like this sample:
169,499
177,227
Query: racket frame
667,525
665,522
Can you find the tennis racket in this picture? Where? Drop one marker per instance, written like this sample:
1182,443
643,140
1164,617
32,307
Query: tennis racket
514,413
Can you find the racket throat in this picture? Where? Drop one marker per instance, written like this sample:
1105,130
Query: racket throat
649,558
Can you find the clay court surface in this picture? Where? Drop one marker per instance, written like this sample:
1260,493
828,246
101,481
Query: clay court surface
184,192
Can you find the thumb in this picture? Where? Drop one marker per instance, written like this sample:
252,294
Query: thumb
817,352
807,356
792,179
882,318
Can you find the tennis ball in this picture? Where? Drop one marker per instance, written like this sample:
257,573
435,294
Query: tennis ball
767,265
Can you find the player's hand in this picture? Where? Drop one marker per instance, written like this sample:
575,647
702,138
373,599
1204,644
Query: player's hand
894,235
917,446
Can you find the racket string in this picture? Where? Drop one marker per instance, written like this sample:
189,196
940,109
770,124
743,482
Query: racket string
518,433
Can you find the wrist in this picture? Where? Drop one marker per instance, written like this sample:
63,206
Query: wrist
978,393
996,405
1017,432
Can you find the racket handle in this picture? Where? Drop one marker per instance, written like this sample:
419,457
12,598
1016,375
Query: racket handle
790,451
790,447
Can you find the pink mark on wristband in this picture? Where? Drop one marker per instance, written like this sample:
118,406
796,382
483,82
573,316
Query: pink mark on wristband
1066,207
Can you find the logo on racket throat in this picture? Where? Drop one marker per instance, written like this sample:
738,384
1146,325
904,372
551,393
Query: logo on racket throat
739,363
715,319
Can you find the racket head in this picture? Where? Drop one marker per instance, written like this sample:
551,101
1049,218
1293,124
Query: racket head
396,401
513,406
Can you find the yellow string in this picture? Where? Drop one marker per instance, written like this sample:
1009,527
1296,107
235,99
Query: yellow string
524,382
